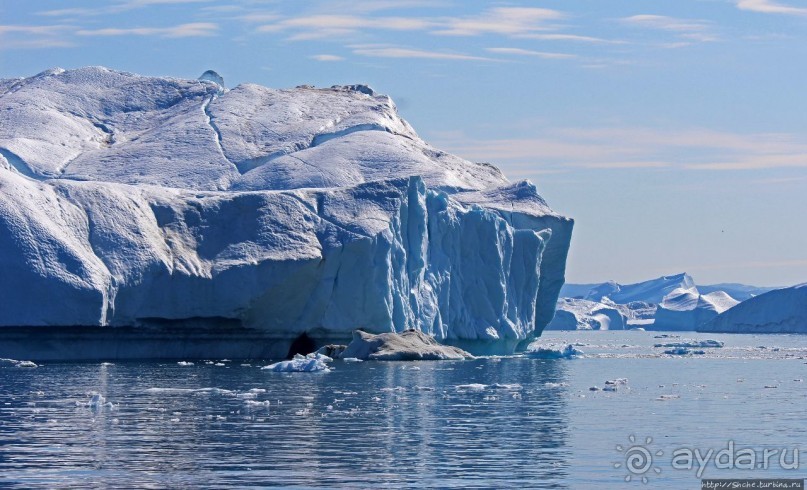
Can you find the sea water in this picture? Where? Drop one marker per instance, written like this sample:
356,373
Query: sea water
489,422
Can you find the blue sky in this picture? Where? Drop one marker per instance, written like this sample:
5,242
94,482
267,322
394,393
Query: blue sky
675,133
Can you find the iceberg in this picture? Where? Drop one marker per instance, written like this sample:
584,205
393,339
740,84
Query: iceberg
145,217
581,314
687,309
778,311
671,303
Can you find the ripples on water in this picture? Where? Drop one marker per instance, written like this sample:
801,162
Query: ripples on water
511,422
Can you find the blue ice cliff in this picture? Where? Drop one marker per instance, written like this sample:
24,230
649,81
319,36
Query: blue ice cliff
159,217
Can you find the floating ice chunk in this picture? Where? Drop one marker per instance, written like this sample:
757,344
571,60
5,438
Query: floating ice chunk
617,381
97,403
609,388
352,359
771,386
668,397
471,387
549,384
500,386
16,363
257,404
716,344
185,363
683,351
190,391
301,364
594,388
551,352
257,390
246,396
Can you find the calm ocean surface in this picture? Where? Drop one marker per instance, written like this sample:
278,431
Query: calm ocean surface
492,422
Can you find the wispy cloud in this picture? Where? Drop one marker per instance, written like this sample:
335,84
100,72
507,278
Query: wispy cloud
326,57
34,36
689,29
570,37
770,7
529,52
505,21
197,29
113,7
501,21
631,148
400,52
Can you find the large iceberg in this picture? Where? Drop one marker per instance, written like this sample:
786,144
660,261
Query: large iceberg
200,221
778,311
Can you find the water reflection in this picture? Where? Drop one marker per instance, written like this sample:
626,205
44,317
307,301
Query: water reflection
369,424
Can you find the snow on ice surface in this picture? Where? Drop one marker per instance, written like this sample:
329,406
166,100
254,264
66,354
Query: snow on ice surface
151,200
778,311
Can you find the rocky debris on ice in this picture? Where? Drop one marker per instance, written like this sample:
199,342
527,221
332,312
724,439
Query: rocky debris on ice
778,311
157,202
553,352
302,364
409,345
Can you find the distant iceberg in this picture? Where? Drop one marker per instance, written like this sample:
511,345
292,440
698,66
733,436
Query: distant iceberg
778,311
667,303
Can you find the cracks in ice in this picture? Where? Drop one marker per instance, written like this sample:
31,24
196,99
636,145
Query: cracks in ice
209,119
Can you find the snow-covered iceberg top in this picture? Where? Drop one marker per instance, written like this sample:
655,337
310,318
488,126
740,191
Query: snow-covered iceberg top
138,201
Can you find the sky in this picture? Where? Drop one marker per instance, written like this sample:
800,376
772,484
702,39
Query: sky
673,132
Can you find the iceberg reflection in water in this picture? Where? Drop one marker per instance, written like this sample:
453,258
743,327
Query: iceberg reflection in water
228,424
